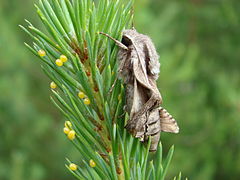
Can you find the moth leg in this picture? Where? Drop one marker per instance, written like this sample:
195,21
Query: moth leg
118,43
123,114
115,81
111,89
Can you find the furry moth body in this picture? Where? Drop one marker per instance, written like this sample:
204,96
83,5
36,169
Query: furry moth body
139,68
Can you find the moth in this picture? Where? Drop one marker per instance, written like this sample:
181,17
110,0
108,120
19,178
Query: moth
139,69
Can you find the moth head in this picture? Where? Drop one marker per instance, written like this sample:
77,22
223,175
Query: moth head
126,41
128,37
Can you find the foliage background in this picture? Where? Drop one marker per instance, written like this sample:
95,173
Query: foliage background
198,42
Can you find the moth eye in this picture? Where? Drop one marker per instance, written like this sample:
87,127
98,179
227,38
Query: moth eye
127,42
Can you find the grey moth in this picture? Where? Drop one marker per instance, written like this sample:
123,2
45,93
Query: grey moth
139,68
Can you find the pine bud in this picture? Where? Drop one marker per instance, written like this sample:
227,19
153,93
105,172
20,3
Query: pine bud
66,130
92,163
68,124
71,135
41,53
81,95
86,101
73,166
53,85
59,62
63,58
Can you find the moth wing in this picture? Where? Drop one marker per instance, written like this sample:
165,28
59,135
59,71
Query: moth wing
137,99
154,142
139,66
153,66
168,123
136,126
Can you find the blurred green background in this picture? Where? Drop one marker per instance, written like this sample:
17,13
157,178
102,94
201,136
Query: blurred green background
199,45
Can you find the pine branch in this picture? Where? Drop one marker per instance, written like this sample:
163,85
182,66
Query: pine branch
82,65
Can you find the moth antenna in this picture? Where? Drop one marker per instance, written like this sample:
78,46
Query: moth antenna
118,43
132,14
